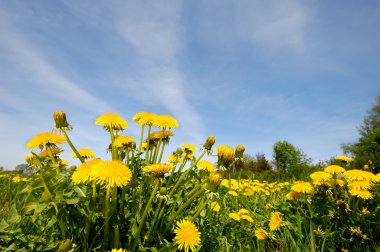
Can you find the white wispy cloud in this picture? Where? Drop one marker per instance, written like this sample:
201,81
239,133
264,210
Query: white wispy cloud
273,25
47,78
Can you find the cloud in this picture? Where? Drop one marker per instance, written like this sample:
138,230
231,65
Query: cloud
275,25
46,77
156,34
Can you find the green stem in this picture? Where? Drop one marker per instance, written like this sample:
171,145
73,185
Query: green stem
113,149
107,217
162,152
94,190
147,207
201,207
72,146
147,145
185,173
141,137
156,151
155,217
183,206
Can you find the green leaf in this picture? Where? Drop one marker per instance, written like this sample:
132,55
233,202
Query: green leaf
13,216
46,195
80,191
72,201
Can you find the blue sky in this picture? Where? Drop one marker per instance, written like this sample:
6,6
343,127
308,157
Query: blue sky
248,72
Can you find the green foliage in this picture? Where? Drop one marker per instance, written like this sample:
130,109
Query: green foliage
367,148
290,160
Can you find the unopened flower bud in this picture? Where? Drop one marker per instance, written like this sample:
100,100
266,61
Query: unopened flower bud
239,151
209,143
60,120
179,152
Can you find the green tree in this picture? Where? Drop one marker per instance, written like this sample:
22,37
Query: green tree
290,160
367,146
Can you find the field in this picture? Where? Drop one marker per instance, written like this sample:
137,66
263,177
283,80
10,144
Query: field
139,200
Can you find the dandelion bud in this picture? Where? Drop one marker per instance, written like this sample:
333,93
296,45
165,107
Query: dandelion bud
179,152
228,155
209,142
60,120
239,151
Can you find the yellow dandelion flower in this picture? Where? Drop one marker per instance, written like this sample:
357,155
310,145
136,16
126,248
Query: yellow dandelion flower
112,173
147,119
165,121
188,155
83,173
84,153
360,184
235,216
261,234
303,187
158,168
292,195
139,115
119,250
122,141
111,121
189,147
206,165
365,211
360,193
174,159
233,193
320,176
334,169
225,152
215,206
45,138
246,217
355,175
344,158
376,179
337,182
160,134
344,250
275,221
215,177
16,179
144,145
187,236
64,162
244,211
54,151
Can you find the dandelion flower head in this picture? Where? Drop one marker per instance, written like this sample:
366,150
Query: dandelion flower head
158,168
84,153
275,221
206,165
187,236
83,173
45,138
112,173
303,187
111,121
189,147
261,234
334,169
165,122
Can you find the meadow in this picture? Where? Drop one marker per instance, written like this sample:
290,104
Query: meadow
141,200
